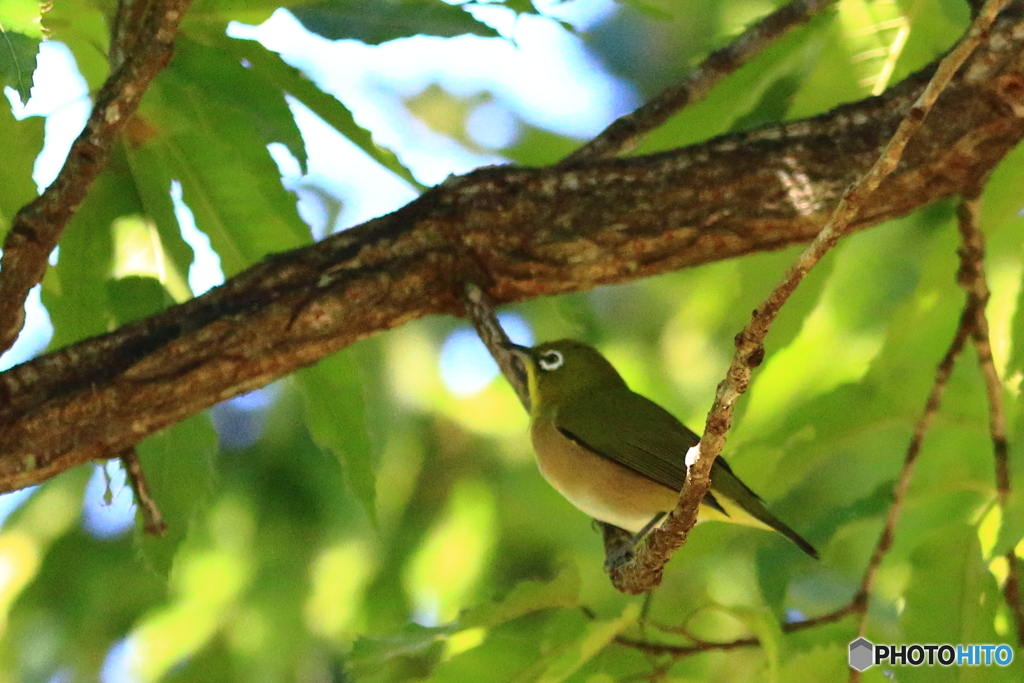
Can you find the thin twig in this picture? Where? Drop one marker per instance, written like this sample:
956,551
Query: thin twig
942,374
698,646
625,133
141,45
644,571
152,521
972,278
1011,591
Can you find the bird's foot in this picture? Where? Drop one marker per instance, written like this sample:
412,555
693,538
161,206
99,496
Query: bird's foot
618,558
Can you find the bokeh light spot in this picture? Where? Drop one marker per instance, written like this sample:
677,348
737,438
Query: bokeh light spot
466,365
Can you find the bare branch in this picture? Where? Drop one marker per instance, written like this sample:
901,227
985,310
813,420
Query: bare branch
644,571
1011,591
625,133
698,646
972,278
143,39
942,374
152,521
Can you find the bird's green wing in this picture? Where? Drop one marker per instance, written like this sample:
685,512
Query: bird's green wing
641,435
631,430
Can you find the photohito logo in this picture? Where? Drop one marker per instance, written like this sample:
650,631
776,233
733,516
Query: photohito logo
865,654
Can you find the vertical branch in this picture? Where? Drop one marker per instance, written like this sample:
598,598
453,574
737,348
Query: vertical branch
931,408
972,278
973,325
1011,591
644,571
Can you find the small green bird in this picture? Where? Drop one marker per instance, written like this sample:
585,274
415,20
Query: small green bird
617,456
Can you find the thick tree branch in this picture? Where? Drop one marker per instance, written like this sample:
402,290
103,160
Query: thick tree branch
626,132
519,233
643,572
141,45
623,135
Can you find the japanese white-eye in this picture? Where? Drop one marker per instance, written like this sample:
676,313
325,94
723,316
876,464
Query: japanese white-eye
616,455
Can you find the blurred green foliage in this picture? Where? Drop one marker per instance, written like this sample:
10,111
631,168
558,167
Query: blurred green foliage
377,525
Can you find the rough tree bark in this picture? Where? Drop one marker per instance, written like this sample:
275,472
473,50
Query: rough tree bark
519,233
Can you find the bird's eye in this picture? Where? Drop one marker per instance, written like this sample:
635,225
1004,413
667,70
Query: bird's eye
551,360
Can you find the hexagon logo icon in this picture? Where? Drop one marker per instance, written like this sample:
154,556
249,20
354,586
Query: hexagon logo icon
861,654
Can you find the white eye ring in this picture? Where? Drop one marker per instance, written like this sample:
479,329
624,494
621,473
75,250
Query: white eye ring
550,360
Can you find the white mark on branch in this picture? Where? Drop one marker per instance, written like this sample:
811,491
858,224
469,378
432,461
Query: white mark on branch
692,456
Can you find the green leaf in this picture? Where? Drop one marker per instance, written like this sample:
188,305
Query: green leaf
566,660
74,291
519,6
823,663
278,74
378,21
336,417
85,29
136,297
218,13
526,597
412,652
766,627
850,308
22,16
23,141
746,96
952,598
227,82
211,120
18,61
150,172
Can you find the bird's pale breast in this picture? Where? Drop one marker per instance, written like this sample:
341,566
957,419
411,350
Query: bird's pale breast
596,485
